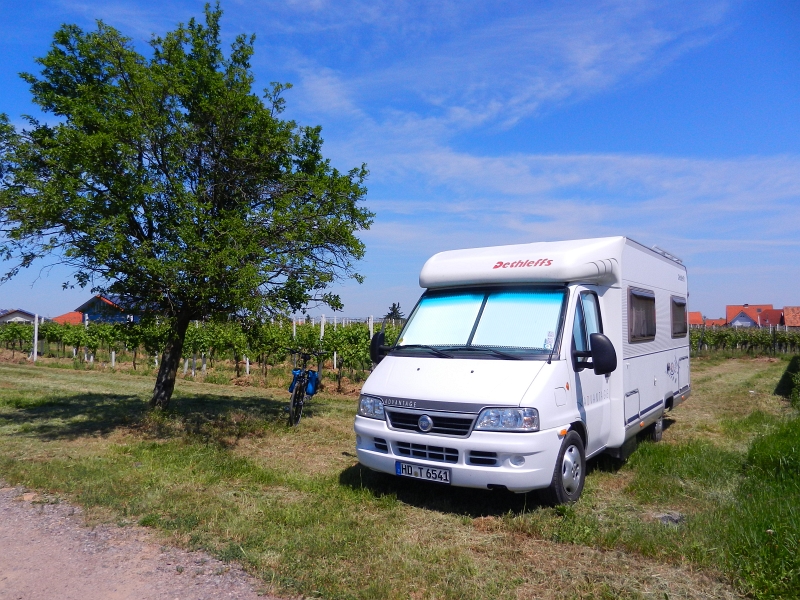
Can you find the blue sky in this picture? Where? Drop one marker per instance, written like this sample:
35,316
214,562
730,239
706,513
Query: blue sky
482,123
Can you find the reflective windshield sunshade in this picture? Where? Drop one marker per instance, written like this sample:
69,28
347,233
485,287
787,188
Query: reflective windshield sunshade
504,323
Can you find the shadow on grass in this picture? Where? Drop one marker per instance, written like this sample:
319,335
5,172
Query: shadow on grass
210,416
456,500
439,497
786,382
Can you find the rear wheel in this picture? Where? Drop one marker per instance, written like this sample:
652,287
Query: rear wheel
296,402
569,473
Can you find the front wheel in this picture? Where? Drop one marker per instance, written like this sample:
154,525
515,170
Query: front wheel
296,404
569,473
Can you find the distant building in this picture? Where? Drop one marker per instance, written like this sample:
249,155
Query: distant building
100,309
791,316
770,318
16,315
696,319
103,310
715,323
745,315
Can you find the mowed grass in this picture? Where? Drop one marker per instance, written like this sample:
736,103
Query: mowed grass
221,471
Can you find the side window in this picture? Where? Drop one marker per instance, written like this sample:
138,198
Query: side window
587,321
641,315
680,327
591,311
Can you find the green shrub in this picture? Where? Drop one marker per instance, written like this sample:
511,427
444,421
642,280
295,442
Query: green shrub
776,457
760,531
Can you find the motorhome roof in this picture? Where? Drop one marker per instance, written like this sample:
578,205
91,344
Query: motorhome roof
592,260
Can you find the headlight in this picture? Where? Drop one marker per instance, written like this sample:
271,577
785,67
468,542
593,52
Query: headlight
370,406
508,419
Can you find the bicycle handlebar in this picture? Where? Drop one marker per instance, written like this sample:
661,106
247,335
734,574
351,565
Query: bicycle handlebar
301,353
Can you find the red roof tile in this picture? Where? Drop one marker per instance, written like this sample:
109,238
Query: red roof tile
70,318
716,322
770,317
791,316
751,310
695,318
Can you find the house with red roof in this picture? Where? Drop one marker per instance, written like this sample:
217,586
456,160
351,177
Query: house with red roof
745,315
791,316
770,318
715,323
100,309
695,319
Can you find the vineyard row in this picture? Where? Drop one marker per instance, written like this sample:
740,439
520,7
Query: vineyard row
266,343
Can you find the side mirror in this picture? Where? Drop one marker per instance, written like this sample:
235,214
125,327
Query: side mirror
604,357
377,349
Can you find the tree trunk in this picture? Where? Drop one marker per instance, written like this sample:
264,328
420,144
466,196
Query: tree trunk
170,360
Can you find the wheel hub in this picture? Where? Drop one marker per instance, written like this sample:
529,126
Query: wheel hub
571,470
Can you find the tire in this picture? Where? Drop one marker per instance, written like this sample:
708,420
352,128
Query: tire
296,403
569,473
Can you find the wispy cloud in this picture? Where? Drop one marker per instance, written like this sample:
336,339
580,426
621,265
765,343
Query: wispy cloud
705,205
479,66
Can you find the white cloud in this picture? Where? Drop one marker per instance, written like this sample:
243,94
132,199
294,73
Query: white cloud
723,203
502,62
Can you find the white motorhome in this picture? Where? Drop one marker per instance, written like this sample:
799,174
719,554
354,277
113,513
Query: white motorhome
506,374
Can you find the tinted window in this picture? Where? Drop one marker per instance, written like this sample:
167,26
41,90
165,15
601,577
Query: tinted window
679,325
587,321
525,321
641,315
443,320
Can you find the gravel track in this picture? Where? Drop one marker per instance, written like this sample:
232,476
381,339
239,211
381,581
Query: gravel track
46,551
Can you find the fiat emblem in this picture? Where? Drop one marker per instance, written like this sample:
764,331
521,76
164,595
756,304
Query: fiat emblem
425,423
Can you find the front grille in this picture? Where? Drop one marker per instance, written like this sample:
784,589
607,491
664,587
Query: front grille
380,444
484,459
449,455
443,425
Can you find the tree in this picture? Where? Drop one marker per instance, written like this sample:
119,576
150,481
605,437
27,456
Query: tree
167,182
394,312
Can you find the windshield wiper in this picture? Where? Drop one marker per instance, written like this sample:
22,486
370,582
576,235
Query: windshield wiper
424,347
484,349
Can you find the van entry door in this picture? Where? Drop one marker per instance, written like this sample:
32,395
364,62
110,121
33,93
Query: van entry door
591,391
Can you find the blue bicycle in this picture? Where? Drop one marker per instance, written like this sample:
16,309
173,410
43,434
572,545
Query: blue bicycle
304,385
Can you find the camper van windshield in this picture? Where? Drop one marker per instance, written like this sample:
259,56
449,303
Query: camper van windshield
498,323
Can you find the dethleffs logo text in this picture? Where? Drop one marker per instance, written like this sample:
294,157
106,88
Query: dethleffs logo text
542,262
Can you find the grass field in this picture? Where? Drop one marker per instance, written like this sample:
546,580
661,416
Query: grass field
222,472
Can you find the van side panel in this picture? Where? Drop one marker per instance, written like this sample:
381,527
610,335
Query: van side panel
656,370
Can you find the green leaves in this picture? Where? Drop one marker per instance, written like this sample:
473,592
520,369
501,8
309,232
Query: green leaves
746,338
167,182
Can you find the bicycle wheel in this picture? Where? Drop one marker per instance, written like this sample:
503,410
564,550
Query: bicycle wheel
296,402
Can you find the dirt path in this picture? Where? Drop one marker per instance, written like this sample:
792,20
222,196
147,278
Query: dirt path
47,552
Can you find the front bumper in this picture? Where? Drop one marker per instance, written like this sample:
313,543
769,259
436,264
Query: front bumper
539,451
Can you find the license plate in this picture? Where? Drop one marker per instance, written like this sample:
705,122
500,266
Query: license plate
419,472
